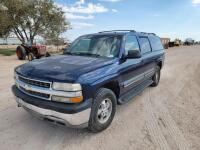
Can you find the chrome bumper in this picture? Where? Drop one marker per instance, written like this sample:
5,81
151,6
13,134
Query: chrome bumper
77,120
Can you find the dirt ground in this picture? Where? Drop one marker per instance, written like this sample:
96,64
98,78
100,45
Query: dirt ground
163,118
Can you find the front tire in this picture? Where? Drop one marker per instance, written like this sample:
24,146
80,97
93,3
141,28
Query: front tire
103,110
30,56
156,77
47,54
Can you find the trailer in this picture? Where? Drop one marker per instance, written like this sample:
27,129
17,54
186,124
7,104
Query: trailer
165,42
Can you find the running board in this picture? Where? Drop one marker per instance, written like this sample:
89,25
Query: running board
134,92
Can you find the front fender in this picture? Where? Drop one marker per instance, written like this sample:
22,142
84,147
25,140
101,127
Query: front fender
93,80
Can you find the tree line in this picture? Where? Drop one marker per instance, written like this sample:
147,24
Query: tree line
30,18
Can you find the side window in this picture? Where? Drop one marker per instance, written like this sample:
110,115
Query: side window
131,44
155,43
145,45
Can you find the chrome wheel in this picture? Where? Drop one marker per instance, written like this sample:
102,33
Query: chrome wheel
104,111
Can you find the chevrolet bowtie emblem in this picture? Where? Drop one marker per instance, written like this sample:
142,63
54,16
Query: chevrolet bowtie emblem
27,87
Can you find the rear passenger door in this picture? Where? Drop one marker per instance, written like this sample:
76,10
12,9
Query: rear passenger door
147,57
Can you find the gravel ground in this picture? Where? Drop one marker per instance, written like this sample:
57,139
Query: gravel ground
163,118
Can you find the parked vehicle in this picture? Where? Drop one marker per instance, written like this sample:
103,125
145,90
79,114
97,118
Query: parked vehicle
189,41
176,42
32,52
83,87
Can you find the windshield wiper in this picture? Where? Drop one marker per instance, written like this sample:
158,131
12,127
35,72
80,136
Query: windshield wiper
86,54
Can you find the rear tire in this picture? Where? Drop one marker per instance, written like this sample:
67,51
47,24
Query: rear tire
47,54
21,53
156,77
30,56
103,110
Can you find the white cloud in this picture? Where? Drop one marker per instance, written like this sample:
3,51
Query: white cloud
111,0
114,10
81,10
90,8
74,11
74,16
196,1
80,2
81,25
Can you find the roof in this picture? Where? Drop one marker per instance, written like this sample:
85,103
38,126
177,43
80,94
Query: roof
123,32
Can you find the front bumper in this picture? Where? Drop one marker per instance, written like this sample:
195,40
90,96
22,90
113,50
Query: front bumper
73,115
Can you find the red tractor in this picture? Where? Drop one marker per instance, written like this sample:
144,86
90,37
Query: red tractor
32,52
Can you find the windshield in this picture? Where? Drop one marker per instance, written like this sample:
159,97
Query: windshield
98,46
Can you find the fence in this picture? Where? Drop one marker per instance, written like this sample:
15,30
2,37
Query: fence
9,41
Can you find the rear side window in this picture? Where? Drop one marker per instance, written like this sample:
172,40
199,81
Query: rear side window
145,45
131,44
155,43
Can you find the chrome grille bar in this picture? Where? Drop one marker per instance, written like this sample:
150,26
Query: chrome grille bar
34,82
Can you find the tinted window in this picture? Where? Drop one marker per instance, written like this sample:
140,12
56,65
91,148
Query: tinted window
155,43
131,44
145,46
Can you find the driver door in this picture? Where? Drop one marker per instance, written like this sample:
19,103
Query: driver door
131,69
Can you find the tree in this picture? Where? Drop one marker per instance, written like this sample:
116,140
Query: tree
30,18
4,23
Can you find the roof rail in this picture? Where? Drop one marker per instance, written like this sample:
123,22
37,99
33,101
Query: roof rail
148,33
117,31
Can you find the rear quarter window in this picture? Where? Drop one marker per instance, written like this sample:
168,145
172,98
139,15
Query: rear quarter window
144,45
155,43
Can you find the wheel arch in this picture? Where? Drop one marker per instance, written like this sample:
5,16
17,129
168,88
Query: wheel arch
160,63
113,85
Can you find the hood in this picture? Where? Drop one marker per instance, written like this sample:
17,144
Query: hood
63,68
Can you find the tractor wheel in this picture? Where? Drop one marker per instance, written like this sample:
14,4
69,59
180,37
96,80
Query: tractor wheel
30,56
48,54
21,53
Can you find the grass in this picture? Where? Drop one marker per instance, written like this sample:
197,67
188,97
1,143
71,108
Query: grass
7,51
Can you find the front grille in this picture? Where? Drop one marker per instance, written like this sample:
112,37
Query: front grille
35,88
37,94
34,82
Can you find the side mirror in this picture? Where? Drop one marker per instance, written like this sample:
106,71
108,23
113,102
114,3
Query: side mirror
133,54
65,50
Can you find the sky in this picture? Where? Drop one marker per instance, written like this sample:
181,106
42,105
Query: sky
167,18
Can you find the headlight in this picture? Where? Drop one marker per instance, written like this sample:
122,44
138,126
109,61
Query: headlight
67,99
66,87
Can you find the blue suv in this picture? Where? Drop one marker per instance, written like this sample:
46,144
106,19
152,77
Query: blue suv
82,87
